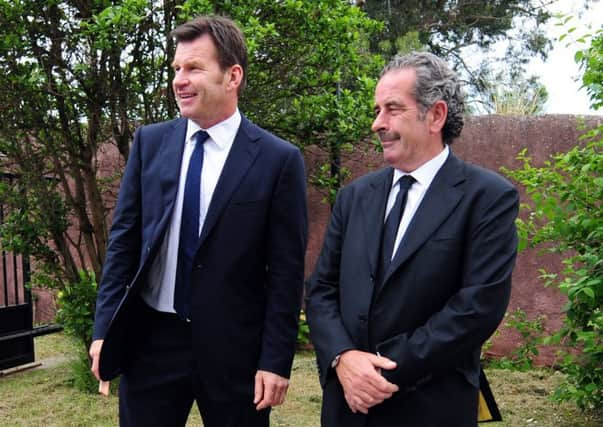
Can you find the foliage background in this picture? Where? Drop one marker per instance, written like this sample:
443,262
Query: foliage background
566,217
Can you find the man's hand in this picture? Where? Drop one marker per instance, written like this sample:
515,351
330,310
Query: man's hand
270,389
360,376
94,352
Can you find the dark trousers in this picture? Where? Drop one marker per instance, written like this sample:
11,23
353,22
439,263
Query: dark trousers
161,380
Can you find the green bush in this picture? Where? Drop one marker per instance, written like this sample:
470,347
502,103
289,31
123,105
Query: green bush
566,217
531,333
76,304
81,376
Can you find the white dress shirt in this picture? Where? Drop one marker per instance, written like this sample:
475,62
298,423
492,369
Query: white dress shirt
159,293
423,175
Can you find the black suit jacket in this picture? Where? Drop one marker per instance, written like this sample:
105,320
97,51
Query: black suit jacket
444,294
248,271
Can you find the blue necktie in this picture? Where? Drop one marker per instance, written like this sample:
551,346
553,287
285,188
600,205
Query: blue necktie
390,230
189,228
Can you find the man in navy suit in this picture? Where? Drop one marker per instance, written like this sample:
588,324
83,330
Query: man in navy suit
415,271
201,287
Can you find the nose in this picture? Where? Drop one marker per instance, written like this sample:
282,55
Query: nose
378,123
180,79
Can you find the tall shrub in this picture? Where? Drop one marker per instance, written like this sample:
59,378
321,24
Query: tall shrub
566,215
76,304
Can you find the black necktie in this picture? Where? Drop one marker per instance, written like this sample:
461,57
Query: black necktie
390,229
189,228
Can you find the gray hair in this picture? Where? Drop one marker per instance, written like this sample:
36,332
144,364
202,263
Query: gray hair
435,82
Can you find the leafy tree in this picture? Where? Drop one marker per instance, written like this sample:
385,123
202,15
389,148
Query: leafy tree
591,60
312,75
567,217
448,26
467,32
76,76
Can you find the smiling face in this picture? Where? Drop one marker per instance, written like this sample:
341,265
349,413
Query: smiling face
409,137
205,93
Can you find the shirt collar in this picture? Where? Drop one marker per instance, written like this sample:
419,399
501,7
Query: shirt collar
222,133
427,171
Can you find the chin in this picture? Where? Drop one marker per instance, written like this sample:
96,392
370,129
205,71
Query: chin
390,158
188,115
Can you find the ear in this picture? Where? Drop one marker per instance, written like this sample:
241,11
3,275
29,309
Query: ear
437,114
234,77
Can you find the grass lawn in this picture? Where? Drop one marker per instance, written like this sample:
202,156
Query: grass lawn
44,396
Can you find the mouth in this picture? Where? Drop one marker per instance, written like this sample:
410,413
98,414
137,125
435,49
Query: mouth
183,96
387,138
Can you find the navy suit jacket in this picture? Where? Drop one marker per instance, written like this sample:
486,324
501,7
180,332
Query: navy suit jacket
444,294
248,272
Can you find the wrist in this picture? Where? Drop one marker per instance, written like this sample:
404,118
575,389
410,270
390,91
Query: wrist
335,361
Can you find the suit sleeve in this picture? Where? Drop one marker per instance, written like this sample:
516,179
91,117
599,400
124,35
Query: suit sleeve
474,312
123,249
288,229
329,335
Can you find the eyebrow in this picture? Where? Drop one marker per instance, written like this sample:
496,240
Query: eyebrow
395,103
191,61
392,103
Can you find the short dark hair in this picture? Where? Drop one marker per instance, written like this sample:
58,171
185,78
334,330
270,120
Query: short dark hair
435,82
226,35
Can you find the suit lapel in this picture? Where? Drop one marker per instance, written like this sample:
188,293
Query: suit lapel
172,146
242,154
375,199
438,203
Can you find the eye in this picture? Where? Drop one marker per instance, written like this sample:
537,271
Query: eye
397,109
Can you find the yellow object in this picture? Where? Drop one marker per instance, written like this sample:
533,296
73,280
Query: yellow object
487,409
483,413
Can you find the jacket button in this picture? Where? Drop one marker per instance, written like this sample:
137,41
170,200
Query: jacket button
362,318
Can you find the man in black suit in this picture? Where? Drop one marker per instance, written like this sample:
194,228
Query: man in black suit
201,286
415,271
